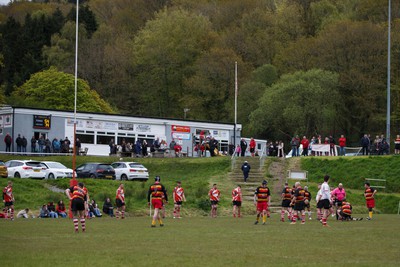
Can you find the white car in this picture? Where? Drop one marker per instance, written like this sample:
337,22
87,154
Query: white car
130,171
55,170
25,169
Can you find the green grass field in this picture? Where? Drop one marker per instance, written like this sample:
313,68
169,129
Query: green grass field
200,241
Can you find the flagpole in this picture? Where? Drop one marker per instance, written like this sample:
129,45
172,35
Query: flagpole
76,90
236,95
388,77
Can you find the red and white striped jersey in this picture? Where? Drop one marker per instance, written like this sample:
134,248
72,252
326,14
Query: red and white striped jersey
214,194
237,194
178,194
120,194
8,194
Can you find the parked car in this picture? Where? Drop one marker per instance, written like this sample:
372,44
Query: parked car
55,170
130,171
3,169
25,169
95,170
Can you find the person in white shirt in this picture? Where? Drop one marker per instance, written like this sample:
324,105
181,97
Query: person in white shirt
24,214
325,198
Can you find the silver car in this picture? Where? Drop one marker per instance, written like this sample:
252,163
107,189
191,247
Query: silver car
130,171
25,169
55,170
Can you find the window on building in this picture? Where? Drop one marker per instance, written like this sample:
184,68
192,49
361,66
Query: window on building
86,138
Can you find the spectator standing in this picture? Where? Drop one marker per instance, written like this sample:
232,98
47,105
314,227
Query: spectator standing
365,144
294,143
305,144
144,148
238,150
138,148
111,145
41,143
56,145
33,144
231,149
243,147
8,142
18,141
24,144
332,145
342,145
397,145
77,146
281,151
252,146
246,170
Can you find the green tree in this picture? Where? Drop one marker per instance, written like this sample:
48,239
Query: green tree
302,102
164,51
53,89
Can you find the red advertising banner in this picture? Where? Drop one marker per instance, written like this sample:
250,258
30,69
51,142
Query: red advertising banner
180,129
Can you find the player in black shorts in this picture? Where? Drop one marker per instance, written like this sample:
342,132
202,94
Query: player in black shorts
78,195
286,199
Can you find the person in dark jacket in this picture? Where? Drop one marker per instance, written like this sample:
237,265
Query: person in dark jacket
243,147
108,207
365,144
246,170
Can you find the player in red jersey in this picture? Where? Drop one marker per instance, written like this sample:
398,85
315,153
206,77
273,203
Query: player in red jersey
369,195
179,196
78,195
120,202
298,201
286,197
262,201
8,199
237,200
214,195
157,193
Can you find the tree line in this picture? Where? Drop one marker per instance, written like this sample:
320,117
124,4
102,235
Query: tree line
305,67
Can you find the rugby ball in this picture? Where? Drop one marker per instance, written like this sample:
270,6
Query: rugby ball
306,202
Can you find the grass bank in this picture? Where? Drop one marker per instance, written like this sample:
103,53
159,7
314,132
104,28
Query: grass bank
352,171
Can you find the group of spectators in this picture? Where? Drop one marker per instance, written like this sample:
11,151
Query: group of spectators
370,146
141,148
41,145
50,210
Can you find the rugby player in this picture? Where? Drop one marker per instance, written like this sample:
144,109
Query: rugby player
369,195
157,192
298,201
214,195
261,201
286,200
237,201
179,196
77,195
120,202
325,198
8,199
